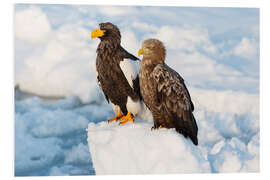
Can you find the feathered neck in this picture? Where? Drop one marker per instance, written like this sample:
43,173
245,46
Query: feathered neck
149,64
107,47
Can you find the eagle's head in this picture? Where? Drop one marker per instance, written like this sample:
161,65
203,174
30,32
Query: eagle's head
153,50
107,31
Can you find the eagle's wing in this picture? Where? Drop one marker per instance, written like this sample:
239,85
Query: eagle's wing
127,55
183,83
174,97
130,69
99,84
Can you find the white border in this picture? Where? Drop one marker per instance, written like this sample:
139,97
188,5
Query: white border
196,3
7,79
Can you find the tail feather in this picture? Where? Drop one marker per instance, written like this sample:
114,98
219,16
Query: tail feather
188,127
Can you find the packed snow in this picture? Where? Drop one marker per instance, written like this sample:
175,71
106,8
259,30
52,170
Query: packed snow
68,137
135,149
228,142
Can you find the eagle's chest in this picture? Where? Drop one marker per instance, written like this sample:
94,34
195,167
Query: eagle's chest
106,67
147,86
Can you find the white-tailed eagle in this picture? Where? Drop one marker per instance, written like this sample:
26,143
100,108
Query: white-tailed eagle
164,92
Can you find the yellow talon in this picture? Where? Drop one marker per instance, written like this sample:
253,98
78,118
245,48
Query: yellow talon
125,119
118,115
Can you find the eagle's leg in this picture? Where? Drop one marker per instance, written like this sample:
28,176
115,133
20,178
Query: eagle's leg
118,115
156,127
125,119
157,123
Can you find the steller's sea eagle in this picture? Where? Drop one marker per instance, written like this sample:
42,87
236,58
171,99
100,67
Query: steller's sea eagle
117,75
164,92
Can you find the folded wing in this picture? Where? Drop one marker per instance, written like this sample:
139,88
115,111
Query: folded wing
174,97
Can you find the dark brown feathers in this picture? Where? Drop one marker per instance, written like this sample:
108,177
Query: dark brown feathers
164,92
111,79
175,100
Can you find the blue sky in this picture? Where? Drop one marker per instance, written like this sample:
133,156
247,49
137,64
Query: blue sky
212,48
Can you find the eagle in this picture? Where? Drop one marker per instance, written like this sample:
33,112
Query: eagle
164,92
117,76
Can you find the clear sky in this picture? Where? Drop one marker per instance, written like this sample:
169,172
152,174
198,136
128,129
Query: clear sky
211,48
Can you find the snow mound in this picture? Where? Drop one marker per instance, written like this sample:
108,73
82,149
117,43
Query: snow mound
228,142
135,149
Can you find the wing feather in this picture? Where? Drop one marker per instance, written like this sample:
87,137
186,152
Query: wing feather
175,98
127,55
172,86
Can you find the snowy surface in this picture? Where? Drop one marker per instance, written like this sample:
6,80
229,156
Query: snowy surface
51,138
228,142
134,149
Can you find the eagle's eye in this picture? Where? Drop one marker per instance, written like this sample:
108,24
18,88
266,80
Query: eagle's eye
149,48
101,26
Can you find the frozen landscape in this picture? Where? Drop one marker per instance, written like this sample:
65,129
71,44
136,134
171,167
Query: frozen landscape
61,115
228,142
51,139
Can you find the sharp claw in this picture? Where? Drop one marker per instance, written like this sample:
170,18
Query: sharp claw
155,127
121,119
124,119
117,116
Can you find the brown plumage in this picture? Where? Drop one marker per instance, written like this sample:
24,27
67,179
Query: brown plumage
164,92
111,78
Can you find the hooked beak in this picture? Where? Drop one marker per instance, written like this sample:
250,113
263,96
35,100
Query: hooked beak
97,33
140,52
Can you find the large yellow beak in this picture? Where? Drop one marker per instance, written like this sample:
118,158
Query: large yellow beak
140,52
97,33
